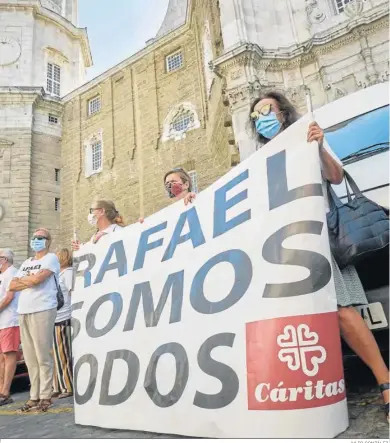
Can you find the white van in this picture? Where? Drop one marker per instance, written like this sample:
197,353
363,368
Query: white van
357,129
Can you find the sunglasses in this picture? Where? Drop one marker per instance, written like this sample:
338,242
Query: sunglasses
93,209
264,110
39,237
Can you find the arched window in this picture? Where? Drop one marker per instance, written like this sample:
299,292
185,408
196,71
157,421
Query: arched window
182,121
179,121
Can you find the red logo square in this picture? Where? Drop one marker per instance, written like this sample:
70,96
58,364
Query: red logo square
294,362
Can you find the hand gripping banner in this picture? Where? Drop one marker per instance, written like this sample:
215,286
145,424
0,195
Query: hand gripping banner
218,319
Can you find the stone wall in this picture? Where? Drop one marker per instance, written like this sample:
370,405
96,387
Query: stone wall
44,189
28,159
15,175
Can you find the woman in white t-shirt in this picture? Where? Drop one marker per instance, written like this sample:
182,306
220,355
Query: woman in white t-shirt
269,116
37,307
105,217
63,376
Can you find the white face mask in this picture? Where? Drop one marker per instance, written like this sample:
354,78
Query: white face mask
92,219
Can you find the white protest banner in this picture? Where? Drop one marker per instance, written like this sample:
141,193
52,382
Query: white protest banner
218,319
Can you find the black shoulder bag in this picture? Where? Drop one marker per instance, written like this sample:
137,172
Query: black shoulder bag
358,228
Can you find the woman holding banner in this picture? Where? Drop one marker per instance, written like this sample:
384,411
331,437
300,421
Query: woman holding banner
270,114
178,186
105,217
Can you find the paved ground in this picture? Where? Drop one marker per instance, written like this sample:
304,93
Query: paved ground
58,422
367,420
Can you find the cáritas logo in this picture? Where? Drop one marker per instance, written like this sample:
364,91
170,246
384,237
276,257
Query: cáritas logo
294,362
300,349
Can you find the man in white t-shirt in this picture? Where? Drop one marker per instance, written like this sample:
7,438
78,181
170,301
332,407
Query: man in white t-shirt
9,326
37,281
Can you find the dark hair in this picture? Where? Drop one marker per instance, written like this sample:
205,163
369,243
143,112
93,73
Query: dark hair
285,106
183,175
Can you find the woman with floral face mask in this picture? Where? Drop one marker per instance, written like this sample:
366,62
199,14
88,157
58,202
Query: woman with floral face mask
178,185
105,217
269,116
37,281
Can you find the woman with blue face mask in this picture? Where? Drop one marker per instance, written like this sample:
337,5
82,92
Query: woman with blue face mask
273,113
269,116
37,307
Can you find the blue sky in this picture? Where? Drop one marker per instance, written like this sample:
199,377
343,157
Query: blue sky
118,28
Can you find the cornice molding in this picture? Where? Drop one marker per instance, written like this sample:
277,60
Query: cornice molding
11,95
242,95
20,94
295,56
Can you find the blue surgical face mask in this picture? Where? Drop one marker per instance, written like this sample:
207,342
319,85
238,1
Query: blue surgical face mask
268,125
38,245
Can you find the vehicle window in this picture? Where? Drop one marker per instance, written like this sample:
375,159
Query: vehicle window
360,136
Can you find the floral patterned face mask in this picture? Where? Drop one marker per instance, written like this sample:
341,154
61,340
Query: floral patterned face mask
174,189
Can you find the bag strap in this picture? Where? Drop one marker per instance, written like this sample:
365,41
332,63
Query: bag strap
332,196
352,183
349,196
56,282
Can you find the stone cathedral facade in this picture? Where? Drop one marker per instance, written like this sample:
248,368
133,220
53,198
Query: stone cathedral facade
182,100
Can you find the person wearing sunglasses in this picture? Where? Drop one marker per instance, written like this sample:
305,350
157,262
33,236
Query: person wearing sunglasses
104,216
37,307
271,114
9,326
